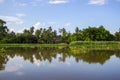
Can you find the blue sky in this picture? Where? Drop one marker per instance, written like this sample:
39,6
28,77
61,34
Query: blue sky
21,14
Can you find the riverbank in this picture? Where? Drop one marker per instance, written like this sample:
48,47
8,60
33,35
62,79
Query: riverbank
96,44
80,44
33,45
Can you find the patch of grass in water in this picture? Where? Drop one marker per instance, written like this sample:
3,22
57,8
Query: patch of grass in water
2,50
96,44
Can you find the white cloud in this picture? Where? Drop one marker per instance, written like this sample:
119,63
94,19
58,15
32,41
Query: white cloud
97,2
31,3
37,25
1,1
20,15
58,1
12,19
11,29
21,30
68,24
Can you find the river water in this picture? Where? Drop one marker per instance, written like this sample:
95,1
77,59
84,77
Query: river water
62,63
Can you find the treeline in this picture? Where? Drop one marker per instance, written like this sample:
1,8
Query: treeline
50,36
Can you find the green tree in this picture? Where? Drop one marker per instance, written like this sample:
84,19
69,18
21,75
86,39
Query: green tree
78,34
10,38
31,30
117,35
64,35
3,29
97,34
27,36
38,33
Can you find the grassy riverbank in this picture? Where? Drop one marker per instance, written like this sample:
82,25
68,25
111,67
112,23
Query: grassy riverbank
96,44
80,44
32,45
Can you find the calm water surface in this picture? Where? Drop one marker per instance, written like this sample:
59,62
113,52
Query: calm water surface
59,64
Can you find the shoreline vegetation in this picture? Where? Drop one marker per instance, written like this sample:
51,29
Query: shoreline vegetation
96,44
50,36
87,38
75,44
33,45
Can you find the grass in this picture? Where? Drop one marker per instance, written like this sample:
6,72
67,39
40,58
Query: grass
32,45
2,50
96,44
80,44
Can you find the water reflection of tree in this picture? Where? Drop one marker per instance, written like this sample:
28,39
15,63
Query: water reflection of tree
117,53
96,56
41,54
49,54
92,55
3,60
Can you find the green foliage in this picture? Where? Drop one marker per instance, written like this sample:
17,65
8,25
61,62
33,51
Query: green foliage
2,50
32,45
96,44
3,29
50,54
117,36
50,36
97,34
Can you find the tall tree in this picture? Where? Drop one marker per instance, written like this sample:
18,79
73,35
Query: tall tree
78,34
97,34
31,30
3,29
38,33
77,30
117,35
64,35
